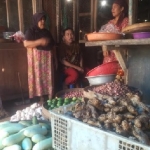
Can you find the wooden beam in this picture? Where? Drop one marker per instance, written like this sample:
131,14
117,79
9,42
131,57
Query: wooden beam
84,14
116,43
20,15
8,13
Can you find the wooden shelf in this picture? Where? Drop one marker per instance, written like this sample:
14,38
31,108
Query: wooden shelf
117,43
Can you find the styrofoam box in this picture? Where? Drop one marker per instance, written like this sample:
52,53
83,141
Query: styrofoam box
71,134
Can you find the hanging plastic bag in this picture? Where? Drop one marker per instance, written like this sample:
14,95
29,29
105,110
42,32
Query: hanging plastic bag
18,37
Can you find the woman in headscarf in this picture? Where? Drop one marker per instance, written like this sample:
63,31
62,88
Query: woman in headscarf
120,21
40,46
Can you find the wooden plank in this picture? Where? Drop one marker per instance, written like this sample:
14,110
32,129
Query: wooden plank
84,14
120,42
120,59
119,55
20,15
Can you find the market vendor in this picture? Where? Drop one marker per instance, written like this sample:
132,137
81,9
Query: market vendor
40,53
120,21
71,58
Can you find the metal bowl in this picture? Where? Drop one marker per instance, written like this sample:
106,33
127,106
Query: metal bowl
101,79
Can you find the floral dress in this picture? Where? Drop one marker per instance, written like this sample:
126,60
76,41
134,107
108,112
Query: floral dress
111,57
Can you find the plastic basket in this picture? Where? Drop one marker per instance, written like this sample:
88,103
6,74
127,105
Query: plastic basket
104,69
71,134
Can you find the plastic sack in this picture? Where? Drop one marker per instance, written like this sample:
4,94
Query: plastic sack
109,28
19,36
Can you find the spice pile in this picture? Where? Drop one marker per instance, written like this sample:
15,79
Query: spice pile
122,112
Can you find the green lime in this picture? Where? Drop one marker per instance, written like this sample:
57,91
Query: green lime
67,100
74,98
59,99
58,105
48,100
60,102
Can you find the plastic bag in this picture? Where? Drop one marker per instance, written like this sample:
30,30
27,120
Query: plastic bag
109,28
19,36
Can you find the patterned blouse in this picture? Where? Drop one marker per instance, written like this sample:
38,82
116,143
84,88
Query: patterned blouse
112,57
70,53
122,25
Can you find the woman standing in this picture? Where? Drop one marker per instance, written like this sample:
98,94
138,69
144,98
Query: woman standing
120,21
40,47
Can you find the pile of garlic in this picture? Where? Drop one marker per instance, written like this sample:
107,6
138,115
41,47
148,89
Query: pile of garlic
27,113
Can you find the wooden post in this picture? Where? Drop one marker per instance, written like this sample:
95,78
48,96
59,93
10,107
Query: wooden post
95,14
20,15
8,13
37,6
34,6
132,12
74,14
92,17
57,19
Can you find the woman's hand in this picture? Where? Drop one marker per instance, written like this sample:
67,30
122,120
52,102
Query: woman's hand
79,69
44,41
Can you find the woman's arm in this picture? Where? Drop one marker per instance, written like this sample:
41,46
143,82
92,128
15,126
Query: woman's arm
66,63
35,43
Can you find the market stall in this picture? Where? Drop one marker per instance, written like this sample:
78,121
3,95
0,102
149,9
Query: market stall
107,115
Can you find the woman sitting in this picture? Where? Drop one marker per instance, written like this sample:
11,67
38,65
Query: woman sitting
71,58
120,21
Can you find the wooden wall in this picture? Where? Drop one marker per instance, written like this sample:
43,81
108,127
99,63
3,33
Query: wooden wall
3,20
139,70
49,6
